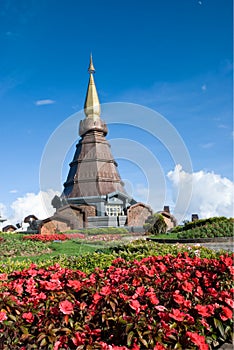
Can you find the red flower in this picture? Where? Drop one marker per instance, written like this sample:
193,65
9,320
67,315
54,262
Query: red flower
205,324
135,347
199,291
179,276
75,284
198,273
199,340
96,298
202,310
162,267
159,347
79,339
51,285
28,316
105,290
177,315
3,276
187,286
57,345
3,316
140,291
66,307
135,305
226,313
179,299
123,296
160,307
230,302
154,300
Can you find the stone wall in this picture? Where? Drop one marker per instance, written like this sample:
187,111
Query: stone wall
170,223
74,214
90,210
137,214
169,219
53,226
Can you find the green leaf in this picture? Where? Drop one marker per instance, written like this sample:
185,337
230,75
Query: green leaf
12,317
41,336
129,338
219,325
66,330
43,342
112,304
144,342
24,329
128,327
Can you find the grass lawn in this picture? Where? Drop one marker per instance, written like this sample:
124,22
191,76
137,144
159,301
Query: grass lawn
16,248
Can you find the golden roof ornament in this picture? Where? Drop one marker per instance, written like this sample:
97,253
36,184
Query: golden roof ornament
91,68
92,106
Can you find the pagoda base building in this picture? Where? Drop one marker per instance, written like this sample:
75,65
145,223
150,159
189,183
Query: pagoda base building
94,194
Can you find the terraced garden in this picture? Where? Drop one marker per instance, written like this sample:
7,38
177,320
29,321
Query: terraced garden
97,291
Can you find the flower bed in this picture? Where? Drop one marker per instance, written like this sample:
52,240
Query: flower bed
53,237
156,303
65,236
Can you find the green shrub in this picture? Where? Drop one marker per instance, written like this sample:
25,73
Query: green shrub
212,228
155,224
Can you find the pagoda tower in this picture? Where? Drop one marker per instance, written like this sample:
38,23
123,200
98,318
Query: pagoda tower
93,178
93,171
94,194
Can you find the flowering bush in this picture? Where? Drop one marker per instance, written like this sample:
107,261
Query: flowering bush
157,303
53,237
103,238
13,245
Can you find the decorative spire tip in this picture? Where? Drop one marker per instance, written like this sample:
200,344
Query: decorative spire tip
91,68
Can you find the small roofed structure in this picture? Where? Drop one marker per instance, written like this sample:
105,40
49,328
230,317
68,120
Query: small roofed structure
169,219
195,217
9,228
30,218
33,222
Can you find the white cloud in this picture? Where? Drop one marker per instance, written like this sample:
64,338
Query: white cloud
13,191
44,102
37,204
208,145
2,210
212,195
2,214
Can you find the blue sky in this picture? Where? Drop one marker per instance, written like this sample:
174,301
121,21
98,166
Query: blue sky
173,56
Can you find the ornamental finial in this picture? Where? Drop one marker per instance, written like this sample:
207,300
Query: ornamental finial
91,68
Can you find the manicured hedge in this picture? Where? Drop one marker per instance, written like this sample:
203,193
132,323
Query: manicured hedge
203,222
221,228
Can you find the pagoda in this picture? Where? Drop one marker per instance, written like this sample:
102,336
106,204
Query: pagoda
94,194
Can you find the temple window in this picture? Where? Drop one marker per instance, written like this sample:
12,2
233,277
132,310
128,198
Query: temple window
113,210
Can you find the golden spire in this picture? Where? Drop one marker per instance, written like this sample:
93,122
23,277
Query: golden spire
92,106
